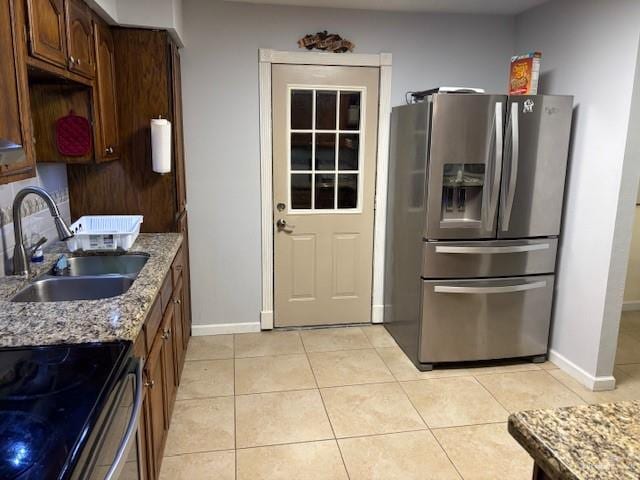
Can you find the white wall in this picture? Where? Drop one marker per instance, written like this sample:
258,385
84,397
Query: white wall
589,50
220,94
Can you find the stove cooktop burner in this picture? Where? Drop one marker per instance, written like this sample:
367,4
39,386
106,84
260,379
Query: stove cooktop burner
32,376
24,439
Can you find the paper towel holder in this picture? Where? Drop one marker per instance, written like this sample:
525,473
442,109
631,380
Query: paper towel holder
161,141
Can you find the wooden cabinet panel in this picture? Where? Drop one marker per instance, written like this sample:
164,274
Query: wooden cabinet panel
156,402
178,135
153,322
79,30
47,31
169,361
107,138
178,327
15,126
186,302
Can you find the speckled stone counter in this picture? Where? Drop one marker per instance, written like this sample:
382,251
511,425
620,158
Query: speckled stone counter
584,442
107,319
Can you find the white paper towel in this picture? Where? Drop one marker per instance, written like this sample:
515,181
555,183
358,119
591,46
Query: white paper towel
161,145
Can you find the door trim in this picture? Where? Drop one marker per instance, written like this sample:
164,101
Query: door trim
266,58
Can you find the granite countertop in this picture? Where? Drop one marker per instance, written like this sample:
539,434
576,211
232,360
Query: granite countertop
584,442
82,321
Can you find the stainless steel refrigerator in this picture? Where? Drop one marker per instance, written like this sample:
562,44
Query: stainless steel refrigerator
476,187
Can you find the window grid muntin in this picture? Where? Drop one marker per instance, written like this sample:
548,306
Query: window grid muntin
337,131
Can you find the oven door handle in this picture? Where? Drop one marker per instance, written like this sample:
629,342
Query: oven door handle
132,427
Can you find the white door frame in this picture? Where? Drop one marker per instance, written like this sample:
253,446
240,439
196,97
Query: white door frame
267,57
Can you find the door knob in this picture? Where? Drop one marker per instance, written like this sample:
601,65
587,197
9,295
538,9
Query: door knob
283,226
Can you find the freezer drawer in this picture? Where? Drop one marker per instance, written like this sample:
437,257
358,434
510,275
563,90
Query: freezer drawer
470,320
493,258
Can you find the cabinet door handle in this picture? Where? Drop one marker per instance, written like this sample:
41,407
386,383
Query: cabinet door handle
150,384
178,301
71,61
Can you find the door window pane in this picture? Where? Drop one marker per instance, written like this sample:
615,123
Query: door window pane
325,191
347,190
301,190
348,151
301,109
325,151
326,110
349,110
301,151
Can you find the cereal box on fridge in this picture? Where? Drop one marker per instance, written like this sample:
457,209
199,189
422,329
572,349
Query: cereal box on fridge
524,73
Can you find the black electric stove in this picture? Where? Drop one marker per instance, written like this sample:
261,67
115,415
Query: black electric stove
50,399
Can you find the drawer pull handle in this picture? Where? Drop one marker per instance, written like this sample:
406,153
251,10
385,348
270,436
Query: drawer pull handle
504,249
150,384
166,333
178,301
484,290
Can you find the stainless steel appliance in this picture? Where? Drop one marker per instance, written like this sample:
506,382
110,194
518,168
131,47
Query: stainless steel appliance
476,186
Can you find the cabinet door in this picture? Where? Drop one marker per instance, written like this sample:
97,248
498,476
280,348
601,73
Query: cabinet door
47,31
186,295
156,401
80,38
169,361
107,142
178,327
15,129
178,137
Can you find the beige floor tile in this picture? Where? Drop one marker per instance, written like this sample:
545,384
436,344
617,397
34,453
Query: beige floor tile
548,365
199,466
485,452
628,350
370,409
630,324
399,456
348,367
267,343
211,347
300,461
273,374
529,390
449,402
206,378
282,417
333,339
402,368
201,425
627,385
524,366
378,336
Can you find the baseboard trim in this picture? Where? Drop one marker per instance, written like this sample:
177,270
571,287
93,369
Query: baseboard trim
377,314
630,305
224,328
596,384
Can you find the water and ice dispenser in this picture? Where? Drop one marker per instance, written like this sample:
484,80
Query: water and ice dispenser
462,185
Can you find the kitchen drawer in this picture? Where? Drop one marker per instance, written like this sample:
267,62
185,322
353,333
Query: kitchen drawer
152,324
470,320
166,291
177,267
492,258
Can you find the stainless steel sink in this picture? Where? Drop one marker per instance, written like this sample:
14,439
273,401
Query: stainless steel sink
128,264
60,289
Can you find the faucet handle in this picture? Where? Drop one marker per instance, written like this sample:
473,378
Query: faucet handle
35,246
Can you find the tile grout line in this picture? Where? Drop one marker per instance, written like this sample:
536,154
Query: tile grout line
326,412
235,416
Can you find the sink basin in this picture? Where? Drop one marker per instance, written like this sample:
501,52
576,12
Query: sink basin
129,264
60,289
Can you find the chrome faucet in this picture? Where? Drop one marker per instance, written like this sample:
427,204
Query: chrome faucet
20,258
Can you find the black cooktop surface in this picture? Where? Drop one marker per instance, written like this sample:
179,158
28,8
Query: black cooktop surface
49,399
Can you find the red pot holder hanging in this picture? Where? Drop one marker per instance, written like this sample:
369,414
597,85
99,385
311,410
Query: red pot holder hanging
73,135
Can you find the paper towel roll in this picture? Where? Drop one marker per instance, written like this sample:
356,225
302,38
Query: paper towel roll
161,145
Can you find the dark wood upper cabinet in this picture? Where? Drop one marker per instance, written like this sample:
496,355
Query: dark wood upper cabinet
79,31
47,37
107,138
14,102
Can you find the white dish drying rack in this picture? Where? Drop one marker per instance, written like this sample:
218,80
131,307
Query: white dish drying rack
104,232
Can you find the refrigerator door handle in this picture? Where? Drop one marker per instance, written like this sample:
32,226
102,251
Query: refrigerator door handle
481,250
497,168
484,290
513,168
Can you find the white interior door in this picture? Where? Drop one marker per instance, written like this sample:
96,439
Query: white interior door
325,122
